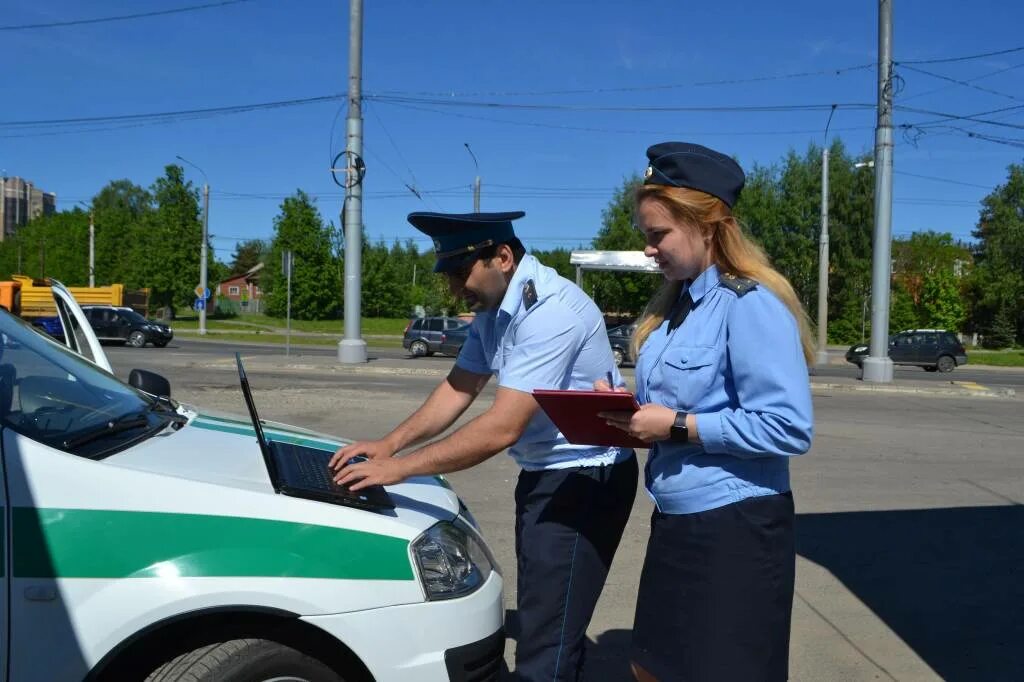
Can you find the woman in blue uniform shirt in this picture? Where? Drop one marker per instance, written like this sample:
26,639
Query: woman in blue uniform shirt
722,380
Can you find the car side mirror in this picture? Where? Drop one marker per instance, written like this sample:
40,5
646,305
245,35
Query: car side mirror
150,382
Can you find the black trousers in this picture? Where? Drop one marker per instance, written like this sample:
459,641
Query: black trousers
716,593
568,526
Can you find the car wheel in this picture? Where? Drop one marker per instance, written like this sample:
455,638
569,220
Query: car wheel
617,356
241,660
418,349
946,364
136,340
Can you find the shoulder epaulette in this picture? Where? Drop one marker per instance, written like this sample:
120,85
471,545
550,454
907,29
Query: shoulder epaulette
738,285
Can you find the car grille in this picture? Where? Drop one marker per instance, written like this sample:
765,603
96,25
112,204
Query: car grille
476,662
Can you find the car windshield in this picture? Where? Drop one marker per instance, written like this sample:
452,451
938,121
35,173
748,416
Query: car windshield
52,395
134,317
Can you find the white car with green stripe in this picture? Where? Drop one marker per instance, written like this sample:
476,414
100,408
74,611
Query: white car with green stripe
144,540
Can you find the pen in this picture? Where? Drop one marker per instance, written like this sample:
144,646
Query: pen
611,383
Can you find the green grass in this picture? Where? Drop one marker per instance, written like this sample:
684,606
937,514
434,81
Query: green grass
370,325
266,337
999,358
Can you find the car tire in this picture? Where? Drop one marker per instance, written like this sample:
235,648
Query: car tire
242,660
136,340
946,363
418,349
618,357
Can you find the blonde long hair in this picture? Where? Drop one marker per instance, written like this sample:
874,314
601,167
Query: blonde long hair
732,252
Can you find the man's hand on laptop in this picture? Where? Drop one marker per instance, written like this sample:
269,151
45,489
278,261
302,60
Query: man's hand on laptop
368,449
380,471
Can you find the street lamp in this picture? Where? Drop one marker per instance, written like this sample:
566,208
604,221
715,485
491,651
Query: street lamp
202,247
92,246
476,183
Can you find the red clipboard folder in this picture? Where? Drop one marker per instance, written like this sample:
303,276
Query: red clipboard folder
575,415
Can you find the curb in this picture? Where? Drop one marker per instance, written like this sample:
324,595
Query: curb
962,392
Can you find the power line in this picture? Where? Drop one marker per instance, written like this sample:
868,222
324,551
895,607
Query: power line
946,60
944,117
952,182
122,17
639,88
169,116
966,84
968,81
750,108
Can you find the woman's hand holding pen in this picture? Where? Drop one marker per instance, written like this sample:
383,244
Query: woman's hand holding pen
607,384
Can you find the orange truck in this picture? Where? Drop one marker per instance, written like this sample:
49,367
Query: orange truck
32,298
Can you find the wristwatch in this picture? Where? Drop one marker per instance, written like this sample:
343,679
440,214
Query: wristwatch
679,433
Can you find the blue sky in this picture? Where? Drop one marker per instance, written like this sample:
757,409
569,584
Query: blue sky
559,165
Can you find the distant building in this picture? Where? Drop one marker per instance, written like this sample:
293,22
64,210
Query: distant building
244,290
21,202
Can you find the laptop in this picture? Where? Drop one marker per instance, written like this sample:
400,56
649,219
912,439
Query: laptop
302,471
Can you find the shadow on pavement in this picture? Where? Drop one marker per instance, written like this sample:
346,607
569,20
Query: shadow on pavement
949,582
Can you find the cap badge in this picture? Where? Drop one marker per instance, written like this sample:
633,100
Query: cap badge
649,172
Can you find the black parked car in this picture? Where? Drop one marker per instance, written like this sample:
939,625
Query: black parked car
621,340
936,350
423,336
124,325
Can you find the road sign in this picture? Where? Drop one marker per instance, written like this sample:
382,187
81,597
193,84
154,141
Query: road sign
202,293
199,304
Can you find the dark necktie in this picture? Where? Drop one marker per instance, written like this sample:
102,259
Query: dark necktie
680,310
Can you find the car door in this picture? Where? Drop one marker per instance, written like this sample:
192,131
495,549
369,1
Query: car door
927,348
5,538
900,350
78,333
434,330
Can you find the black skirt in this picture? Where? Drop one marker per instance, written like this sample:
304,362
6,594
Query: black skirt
716,593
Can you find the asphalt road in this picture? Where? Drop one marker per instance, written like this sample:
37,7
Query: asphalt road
910,509
996,377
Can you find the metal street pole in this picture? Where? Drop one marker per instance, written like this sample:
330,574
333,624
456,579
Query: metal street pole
92,246
202,258
352,348
92,251
878,365
822,357
287,258
476,182
202,246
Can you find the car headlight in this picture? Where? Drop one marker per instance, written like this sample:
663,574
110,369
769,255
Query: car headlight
859,349
453,560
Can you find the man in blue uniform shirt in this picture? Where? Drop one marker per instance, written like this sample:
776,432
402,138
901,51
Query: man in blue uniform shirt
533,330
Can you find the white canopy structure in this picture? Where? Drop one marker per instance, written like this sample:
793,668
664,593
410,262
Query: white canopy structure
619,261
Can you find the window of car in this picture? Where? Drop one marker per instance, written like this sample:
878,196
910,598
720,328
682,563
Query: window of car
417,324
950,338
452,323
930,338
434,324
53,395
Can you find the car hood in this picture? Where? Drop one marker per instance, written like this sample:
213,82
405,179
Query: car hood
222,450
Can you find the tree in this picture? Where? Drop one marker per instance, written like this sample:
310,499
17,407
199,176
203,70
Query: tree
315,284
167,243
50,246
998,278
942,303
247,255
617,292
120,211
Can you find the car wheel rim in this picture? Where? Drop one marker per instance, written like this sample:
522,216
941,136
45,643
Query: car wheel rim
946,364
137,340
419,348
617,354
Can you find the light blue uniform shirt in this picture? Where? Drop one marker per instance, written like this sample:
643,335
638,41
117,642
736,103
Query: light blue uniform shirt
558,342
735,363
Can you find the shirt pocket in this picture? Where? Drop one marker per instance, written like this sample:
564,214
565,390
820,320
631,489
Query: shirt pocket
690,371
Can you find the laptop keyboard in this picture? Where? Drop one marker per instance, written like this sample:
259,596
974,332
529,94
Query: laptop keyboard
313,469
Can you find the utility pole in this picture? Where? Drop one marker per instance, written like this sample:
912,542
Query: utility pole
202,247
202,258
878,365
352,348
822,358
92,251
476,182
